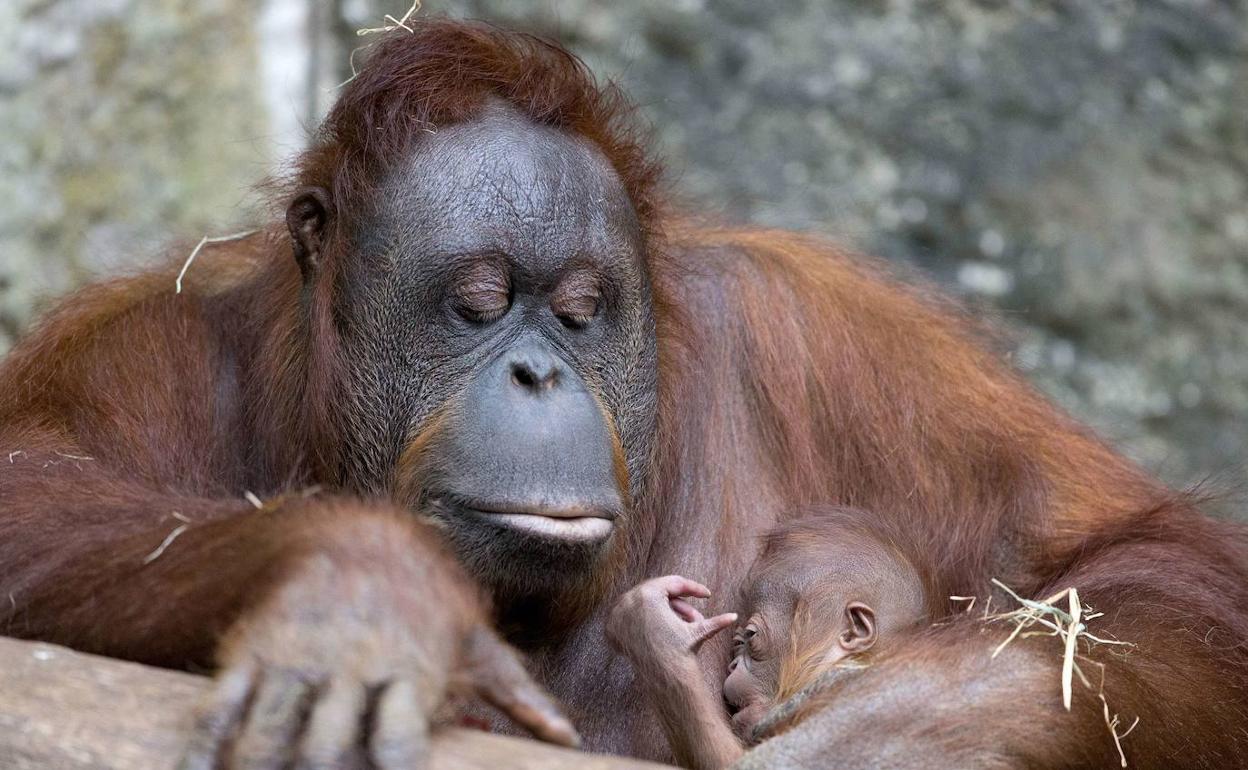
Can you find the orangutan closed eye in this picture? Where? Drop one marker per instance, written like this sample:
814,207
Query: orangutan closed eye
524,380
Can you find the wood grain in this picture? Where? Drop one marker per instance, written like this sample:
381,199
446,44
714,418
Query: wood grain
65,710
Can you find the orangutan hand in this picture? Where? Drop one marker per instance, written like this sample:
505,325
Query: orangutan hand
344,664
654,624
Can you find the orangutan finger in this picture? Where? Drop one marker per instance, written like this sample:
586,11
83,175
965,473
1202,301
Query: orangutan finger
332,740
502,681
685,610
709,627
400,740
218,719
270,735
676,585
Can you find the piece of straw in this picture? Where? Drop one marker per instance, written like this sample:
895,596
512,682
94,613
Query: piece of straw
1069,625
195,253
1072,636
969,599
154,555
394,23
1113,729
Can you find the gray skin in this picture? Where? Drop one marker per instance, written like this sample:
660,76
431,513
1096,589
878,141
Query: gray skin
498,292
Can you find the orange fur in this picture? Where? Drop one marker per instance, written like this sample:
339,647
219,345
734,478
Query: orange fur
791,372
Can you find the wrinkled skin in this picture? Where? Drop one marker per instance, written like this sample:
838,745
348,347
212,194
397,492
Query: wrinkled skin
502,347
503,250
470,340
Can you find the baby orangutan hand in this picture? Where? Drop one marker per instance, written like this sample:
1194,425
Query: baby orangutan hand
654,623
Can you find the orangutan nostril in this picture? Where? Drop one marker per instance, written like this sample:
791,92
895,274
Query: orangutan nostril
523,376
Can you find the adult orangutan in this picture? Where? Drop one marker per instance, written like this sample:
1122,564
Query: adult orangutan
480,329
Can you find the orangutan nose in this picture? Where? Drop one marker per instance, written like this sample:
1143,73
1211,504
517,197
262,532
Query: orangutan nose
535,370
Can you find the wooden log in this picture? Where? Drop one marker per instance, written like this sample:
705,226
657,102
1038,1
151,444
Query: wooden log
66,710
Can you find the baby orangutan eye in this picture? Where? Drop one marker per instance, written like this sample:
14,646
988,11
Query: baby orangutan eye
482,293
743,640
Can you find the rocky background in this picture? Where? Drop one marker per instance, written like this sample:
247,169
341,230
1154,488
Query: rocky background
1077,167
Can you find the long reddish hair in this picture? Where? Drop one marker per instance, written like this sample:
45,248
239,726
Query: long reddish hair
445,72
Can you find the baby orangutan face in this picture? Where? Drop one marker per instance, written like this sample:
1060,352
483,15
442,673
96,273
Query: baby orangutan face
797,621
811,601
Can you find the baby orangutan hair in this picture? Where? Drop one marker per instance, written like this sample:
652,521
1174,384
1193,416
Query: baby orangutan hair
829,590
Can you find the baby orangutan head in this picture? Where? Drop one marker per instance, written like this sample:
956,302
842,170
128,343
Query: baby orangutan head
814,598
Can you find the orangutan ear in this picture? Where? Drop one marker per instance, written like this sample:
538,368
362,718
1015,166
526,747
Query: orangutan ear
859,634
308,219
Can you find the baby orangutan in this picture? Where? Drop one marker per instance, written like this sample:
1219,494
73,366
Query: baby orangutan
826,590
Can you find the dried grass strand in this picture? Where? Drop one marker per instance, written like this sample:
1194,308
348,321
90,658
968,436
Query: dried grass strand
394,23
1069,625
164,544
400,23
970,600
199,246
1072,637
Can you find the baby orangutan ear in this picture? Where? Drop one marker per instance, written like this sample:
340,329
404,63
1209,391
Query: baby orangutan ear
308,217
859,634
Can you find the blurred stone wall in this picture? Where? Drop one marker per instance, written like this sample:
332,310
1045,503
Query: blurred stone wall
121,122
1079,168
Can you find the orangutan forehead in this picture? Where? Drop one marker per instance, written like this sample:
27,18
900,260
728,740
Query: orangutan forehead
817,573
503,176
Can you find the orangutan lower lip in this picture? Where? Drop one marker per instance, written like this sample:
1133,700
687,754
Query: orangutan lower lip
561,509
564,527
567,521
